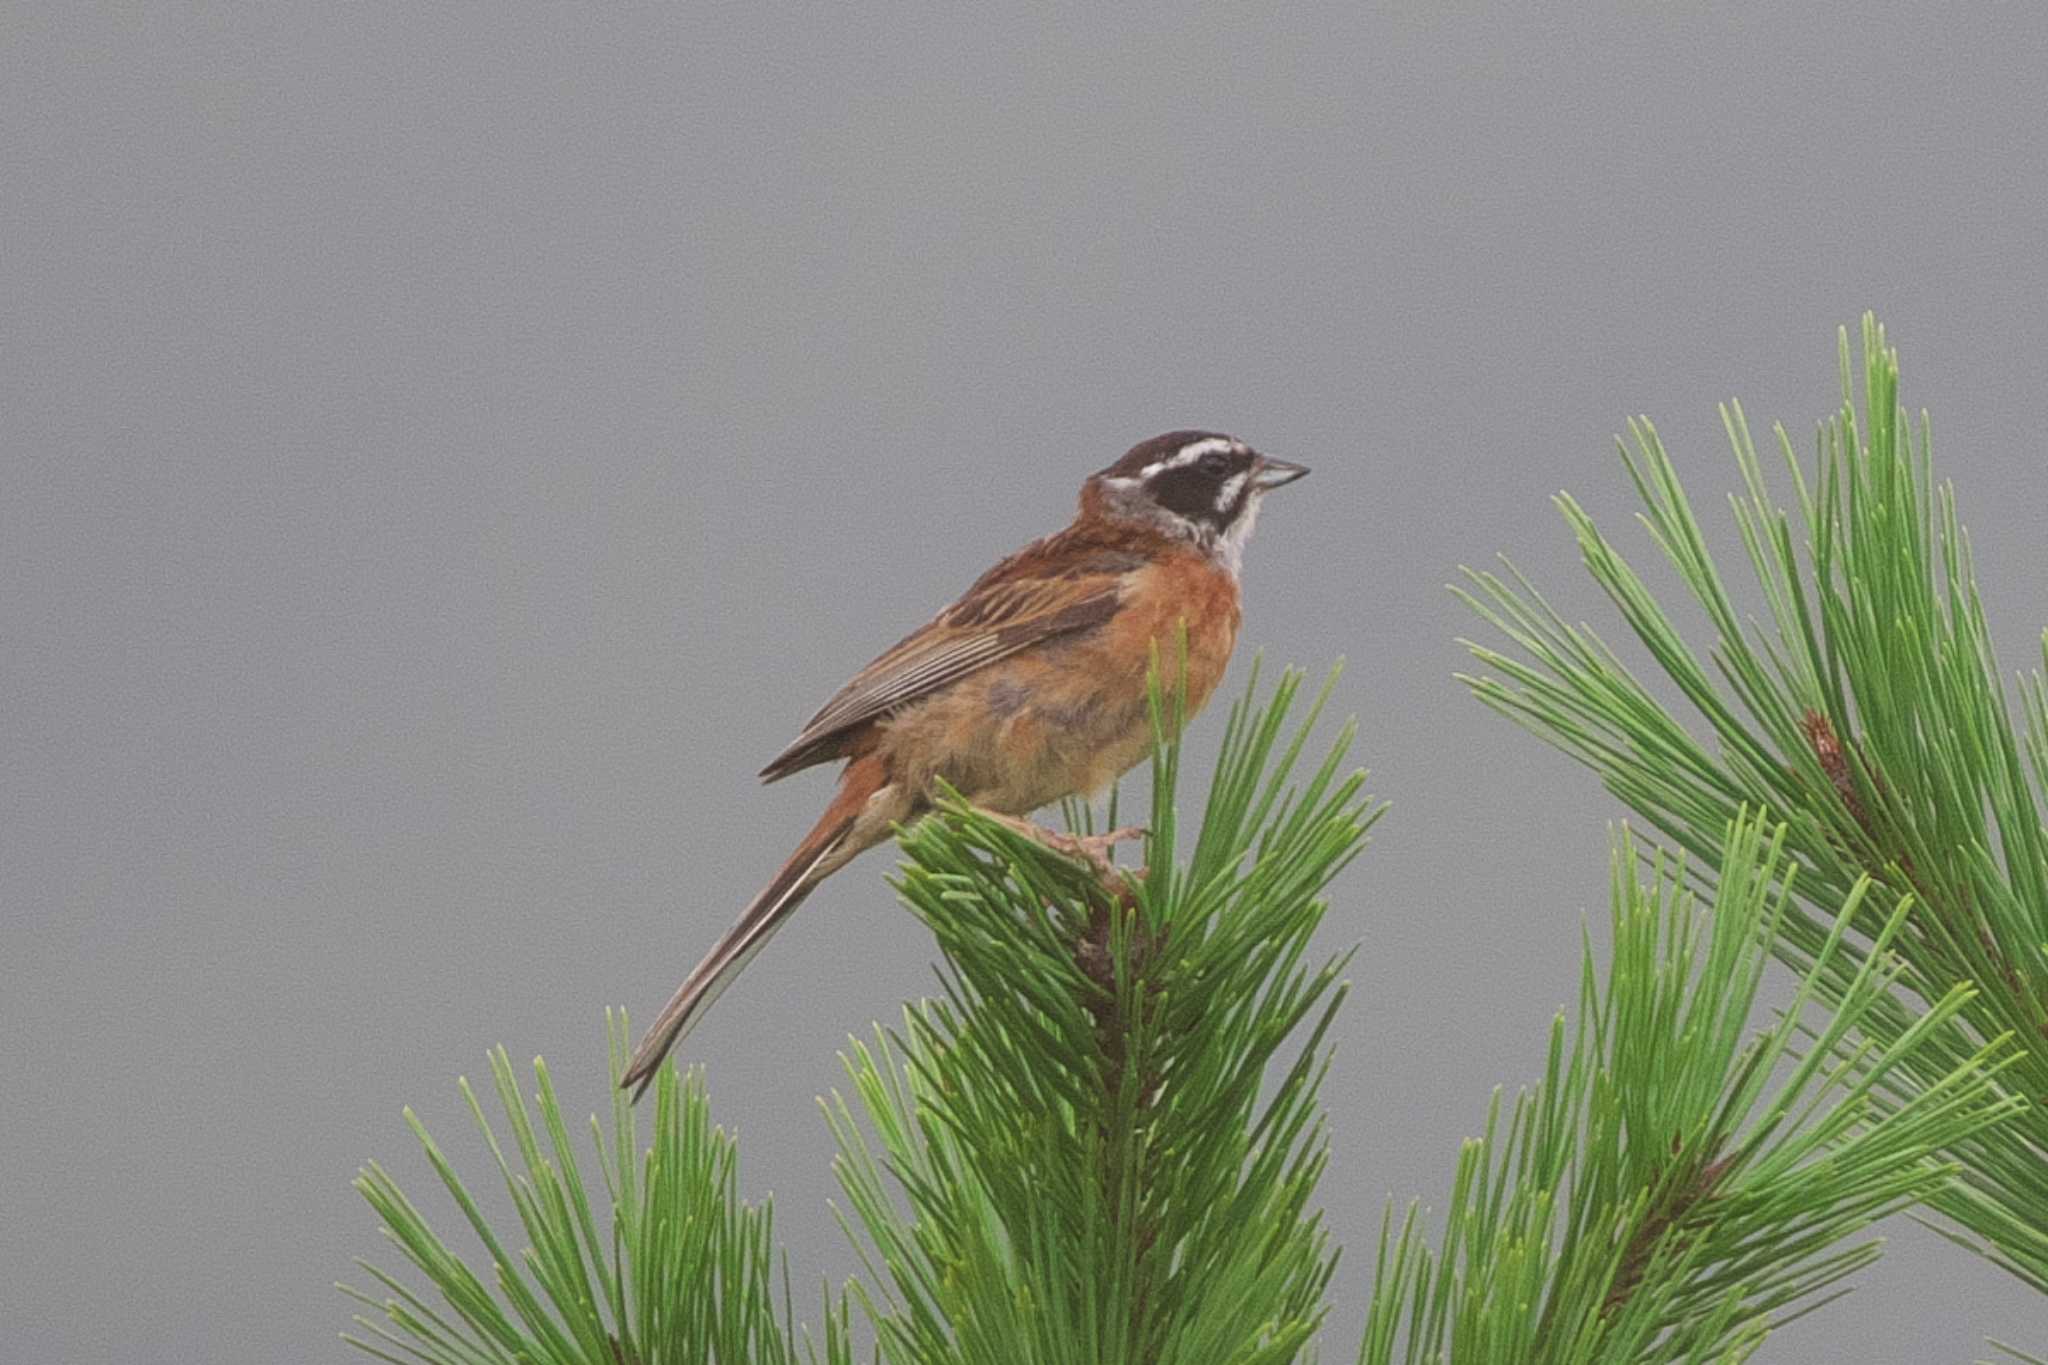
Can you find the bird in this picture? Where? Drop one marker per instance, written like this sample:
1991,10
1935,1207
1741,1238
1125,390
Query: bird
1030,688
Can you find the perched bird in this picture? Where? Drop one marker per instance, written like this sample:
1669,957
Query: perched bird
1029,689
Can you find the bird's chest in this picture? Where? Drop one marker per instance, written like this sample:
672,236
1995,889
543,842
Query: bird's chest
1183,610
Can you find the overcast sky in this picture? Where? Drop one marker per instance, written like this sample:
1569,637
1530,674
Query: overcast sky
449,450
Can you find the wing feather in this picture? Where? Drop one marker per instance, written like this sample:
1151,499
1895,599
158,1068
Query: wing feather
1039,593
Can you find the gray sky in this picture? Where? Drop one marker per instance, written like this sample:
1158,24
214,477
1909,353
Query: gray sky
446,454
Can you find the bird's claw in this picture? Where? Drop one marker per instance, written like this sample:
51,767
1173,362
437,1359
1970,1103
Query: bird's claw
1092,849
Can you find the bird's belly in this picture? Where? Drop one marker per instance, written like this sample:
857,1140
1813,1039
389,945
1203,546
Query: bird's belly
1021,738
1064,720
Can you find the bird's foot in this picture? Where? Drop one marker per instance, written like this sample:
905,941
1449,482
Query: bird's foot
1092,849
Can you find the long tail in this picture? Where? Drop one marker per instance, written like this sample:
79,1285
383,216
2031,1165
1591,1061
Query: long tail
812,862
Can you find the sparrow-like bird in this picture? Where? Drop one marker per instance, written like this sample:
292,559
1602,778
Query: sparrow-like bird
1029,689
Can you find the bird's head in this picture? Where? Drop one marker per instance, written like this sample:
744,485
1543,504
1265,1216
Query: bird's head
1200,486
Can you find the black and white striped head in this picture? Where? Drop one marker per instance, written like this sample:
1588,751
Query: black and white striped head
1200,485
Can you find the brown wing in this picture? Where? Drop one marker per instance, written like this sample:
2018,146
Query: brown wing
1041,592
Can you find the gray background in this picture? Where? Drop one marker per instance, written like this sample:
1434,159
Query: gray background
446,453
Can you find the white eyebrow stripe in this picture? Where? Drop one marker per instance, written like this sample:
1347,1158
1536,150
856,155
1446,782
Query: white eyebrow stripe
1195,450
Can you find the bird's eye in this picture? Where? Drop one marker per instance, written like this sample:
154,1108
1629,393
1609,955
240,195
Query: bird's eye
1215,463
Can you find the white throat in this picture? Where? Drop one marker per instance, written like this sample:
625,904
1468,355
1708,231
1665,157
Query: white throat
1229,547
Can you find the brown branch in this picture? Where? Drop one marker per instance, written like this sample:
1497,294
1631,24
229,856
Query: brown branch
1821,738
1642,1246
1095,955
1958,920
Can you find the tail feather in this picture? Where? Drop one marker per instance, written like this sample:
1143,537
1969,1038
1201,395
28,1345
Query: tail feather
727,958
757,923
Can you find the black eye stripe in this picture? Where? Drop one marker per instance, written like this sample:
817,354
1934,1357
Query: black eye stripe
1180,490
1191,491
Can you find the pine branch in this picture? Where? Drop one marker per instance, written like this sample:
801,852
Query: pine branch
683,1274
1659,1196
1077,1127
1867,711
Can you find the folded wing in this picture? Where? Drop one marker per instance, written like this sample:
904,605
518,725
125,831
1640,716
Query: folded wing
1035,595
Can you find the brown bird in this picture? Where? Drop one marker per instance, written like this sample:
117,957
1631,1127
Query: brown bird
1029,689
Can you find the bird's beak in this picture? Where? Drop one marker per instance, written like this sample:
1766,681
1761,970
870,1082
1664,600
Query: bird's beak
1268,474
